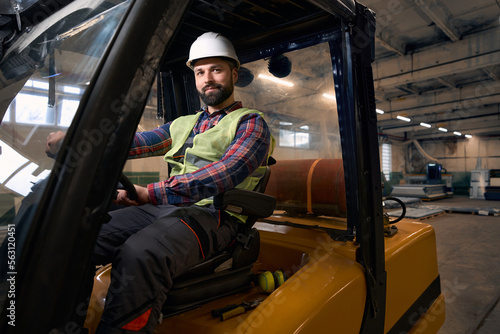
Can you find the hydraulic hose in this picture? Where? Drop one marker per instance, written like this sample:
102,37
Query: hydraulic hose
403,207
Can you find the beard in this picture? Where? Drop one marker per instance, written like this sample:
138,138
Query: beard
217,97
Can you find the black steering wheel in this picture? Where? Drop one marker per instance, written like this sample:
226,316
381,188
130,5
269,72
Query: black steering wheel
128,186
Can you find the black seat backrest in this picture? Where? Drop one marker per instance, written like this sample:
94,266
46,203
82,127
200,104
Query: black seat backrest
261,186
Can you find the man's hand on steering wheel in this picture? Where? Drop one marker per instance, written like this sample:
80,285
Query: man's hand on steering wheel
142,197
131,194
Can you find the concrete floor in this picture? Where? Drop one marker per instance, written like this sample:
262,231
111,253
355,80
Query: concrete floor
468,246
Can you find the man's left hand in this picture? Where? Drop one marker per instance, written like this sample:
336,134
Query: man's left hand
142,197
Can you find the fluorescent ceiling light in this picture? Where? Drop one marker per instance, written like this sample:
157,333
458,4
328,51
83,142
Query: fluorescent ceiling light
406,119
443,129
457,133
468,136
276,80
425,125
379,111
329,96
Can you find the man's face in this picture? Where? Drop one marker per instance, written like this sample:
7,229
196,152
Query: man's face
214,80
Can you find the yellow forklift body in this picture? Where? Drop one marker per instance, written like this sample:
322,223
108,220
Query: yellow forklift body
326,290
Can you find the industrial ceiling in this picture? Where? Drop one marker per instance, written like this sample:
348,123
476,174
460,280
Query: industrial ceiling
437,63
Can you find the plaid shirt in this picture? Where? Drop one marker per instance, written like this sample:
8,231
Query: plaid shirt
247,152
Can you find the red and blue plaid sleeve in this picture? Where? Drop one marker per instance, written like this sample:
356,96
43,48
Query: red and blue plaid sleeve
151,143
245,154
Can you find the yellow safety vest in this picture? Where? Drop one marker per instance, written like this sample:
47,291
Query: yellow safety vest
189,154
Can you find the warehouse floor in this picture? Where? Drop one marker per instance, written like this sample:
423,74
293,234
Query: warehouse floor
469,263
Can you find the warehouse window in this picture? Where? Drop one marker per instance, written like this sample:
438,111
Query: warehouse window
32,109
31,106
387,160
290,138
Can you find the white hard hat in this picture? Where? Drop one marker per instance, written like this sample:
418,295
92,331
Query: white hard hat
211,44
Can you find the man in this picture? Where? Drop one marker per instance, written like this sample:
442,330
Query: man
173,224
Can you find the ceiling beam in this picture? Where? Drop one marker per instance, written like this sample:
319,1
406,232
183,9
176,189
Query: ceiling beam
446,82
390,43
466,98
469,107
440,15
344,8
450,117
480,131
478,127
380,96
490,73
459,66
485,122
408,89
475,50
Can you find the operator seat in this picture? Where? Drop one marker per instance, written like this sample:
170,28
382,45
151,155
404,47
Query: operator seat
230,271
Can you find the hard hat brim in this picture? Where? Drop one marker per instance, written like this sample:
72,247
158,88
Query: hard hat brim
191,62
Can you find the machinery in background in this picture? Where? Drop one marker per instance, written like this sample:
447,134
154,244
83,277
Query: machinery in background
430,186
492,192
479,180
484,183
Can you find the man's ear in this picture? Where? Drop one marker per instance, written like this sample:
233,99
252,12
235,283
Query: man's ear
235,75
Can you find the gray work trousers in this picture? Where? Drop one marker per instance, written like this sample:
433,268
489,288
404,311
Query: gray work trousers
148,247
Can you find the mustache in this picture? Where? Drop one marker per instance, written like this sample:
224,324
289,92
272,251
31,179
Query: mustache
211,87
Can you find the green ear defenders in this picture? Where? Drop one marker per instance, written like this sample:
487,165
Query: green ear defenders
268,281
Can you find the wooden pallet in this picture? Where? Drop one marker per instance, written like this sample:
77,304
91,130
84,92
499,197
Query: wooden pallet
473,211
432,215
435,198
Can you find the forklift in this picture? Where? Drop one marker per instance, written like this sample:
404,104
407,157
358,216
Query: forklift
323,256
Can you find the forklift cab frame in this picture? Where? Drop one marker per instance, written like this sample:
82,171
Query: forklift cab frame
150,42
